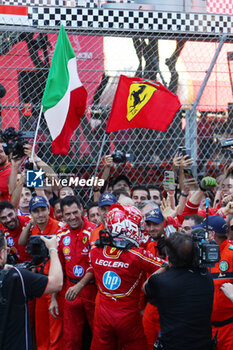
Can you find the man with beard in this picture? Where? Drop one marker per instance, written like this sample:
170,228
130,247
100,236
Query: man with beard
5,171
12,226
155,227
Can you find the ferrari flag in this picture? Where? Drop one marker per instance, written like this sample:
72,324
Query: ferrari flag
64,99
142,103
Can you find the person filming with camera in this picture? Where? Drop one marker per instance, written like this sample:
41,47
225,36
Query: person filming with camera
17,286
184,297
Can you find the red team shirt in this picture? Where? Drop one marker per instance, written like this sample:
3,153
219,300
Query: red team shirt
74,249
12,238
5,172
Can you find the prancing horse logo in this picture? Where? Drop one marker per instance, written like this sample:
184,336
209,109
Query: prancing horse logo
139,95
136,96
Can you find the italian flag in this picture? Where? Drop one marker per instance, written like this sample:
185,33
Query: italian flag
64,99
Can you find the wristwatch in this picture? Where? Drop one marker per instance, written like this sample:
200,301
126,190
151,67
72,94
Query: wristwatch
184,194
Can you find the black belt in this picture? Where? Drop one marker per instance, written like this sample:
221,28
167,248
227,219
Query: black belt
222,323
75,281
217,275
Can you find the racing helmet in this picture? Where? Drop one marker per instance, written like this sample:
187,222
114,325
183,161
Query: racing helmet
124,221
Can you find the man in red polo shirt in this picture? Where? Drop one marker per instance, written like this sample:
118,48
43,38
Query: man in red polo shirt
5,171
74,256
48,328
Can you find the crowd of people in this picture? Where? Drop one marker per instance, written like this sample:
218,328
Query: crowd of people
127,257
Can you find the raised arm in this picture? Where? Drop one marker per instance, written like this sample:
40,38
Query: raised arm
55,275
12,182
26,233
49,172
15,198
108,163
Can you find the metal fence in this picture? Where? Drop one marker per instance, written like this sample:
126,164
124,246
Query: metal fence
175,49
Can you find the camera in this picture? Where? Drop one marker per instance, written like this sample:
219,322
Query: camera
121,157
207,253
37,249
14,141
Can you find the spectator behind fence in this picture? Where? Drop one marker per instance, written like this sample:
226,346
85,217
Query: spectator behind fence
155,193
184,309
190,221
121,182
140,194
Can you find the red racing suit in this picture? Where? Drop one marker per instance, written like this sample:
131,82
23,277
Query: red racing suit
118,275
48,328
150,318
12,237
222,315
74,246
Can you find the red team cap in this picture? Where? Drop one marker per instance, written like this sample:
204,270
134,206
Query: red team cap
124,221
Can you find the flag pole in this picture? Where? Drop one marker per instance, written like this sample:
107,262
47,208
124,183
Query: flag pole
36,133
98,161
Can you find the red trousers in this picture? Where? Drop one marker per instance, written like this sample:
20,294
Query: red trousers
75,314
118,327
225,337
48,328
151,324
